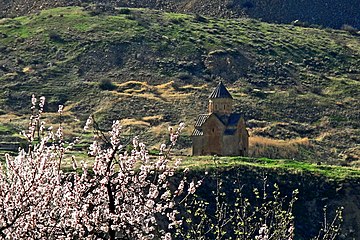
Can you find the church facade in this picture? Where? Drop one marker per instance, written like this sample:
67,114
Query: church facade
220,132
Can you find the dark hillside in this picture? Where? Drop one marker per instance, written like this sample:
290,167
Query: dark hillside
297,86
315,192
328,13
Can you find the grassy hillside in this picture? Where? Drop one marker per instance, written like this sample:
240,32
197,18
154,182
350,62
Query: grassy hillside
328,13
297,87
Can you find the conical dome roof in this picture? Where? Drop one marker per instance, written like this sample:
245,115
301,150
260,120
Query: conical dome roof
220,92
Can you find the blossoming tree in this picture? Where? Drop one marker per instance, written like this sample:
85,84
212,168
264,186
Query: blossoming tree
124,195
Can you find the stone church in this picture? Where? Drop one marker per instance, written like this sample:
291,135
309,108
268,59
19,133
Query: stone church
220,131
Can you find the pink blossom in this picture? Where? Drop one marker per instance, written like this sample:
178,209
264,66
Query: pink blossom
121,194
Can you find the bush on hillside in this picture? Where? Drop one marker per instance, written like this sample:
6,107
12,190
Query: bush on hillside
55,37
177,20
106,84
349,29
124,11
199,18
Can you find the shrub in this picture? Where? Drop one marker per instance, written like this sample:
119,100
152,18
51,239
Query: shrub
55,37
176,20
349,29
130,17
184,76
124,11
199,18
106,84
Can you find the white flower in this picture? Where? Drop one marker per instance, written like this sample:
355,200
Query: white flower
136,141
33,100
181,126
192,188
162,147
167,236
88,123
42,102
61,108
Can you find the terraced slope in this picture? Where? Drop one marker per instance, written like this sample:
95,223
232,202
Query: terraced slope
297,87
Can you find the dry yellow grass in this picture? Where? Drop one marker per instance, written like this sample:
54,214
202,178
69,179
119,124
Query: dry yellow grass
165,86
149,95
277,142
322,136
167,91
27,69
133,122
132,82
190,86
146,95
161,92
275,148
121,94
10,117
134,91
153,118
173,95
51,119
11,74
160,130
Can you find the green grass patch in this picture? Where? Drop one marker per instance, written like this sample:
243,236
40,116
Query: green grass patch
281,165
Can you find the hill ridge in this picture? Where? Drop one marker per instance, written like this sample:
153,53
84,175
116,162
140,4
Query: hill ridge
328,13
